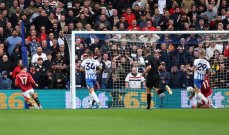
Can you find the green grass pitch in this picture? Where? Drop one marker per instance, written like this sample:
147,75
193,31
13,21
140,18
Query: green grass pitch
115,122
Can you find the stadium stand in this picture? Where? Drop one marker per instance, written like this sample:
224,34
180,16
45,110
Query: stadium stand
46,22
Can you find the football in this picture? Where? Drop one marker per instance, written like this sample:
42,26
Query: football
189,89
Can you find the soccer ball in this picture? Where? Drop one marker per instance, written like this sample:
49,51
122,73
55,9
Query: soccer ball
190,89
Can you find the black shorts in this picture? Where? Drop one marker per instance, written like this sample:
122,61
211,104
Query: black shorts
153,81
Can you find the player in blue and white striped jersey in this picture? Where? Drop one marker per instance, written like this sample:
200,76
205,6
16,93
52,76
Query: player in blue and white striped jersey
201,68
90,67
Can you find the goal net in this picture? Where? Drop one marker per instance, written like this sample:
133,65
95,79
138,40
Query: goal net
121,54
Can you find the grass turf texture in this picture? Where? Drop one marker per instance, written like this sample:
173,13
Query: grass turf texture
115,122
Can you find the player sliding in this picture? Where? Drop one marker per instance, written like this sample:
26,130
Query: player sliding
26,83
201,68
206,91
153,78
90,67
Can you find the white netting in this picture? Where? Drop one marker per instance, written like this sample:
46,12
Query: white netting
125,51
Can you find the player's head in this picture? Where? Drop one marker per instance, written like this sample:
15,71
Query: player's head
90,53
147,50
202,53
23,68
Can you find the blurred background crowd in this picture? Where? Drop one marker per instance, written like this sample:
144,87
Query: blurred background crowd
48,21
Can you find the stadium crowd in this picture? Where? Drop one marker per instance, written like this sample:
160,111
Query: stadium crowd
47,21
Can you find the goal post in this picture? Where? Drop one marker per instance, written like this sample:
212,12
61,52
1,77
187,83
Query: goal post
108,36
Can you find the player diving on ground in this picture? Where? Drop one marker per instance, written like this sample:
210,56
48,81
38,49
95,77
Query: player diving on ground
201,68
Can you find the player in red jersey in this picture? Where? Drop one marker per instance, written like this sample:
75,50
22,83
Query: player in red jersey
26,83
206,90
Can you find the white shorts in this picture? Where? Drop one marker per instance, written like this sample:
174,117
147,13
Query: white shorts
27,94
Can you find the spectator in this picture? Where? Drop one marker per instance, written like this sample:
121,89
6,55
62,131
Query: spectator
221,77
15,56
17,69
2,35
45,47
210,50
79,75
148,27
115,18
40,74
134,26
140,3
60,62
59,80
176,78
109,11
47,63
156,17
106,73
5,82
129,16
12,10
43,34
5,64
210,14
12,41
14,19
42,20
215,6
31,9
39,54
35,14
54,48
165,75
188,76
134,80
102,20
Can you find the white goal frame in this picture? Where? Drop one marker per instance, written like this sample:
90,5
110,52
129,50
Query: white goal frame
72,50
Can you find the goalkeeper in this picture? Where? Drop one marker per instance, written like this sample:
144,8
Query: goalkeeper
153,78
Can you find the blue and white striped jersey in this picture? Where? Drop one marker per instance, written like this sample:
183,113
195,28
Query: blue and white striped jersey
90,66
202,66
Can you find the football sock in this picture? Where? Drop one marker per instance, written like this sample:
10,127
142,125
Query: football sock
95,97
90,99
93,102
148,100
201,96
37,101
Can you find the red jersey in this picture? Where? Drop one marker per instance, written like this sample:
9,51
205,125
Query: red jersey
205,88
148,28
129,18
24,81
16,71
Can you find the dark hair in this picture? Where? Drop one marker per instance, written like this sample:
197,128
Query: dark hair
147,50
89,53
40,59
22,67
